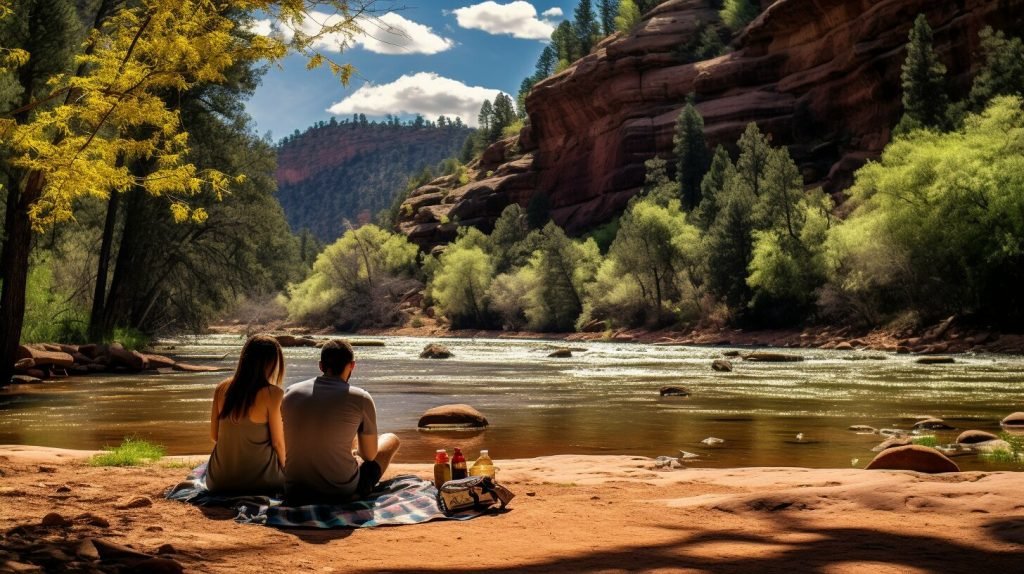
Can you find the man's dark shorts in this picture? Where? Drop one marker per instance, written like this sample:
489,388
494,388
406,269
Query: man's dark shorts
370,474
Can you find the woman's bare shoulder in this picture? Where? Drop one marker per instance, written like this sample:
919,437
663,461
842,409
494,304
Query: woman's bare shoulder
272,393
223,386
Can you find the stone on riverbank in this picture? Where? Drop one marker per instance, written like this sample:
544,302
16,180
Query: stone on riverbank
560,354
913,457
975,437
1014,420
435,351
932,424
892,442
43,357
453,415
293,341
864,429
721,366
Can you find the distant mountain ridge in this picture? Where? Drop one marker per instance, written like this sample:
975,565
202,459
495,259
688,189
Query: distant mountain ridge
351,170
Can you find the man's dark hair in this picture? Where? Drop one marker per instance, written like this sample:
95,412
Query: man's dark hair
335,356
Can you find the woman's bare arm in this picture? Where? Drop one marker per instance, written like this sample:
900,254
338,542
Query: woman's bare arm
276,423
215,412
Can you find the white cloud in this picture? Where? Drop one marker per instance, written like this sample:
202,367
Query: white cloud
424,93
518,19
387,34
555,12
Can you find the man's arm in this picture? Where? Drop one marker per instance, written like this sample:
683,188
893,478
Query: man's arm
367,446
367,435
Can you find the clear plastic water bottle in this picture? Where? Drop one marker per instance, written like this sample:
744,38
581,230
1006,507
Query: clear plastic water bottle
483,466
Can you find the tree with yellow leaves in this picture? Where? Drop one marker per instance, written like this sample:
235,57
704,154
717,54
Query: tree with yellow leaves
78,131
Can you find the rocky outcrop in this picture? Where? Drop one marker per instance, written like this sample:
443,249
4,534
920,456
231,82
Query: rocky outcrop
821,77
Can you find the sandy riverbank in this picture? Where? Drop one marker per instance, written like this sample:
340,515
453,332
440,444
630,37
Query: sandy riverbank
572,514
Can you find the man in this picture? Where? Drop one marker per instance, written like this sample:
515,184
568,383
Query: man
324,418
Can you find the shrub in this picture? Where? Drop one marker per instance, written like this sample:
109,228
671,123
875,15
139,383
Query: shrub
133,451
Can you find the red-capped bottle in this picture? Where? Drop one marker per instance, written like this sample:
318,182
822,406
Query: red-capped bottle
458,465
442,469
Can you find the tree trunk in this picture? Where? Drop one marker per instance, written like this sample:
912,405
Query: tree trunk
14,259
97,330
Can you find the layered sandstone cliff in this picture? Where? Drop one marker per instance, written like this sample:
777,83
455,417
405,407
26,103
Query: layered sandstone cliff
821,76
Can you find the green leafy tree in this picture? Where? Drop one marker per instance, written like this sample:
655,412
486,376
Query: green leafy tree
357,280
511,243
657,183
562,270
937,226
628,16
1002,73
460,286
924,81
691,156
738,13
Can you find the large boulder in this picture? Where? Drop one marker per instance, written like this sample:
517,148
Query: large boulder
975,437
435,351
893,442
452,415
122,357
769,357
293,341
913,457
932,424
1014,420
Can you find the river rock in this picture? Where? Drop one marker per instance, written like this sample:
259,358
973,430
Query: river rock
732,353
721,365
459,414
932,424
674,392
135,502
768,357
712,441
93,520
54,520
935,360
159,361
293,341
975,437
913,457
561,354
892,442
435,351
1014,420
992,446
25,380
130,359
187,368
843,346
41,357
24,364
864,429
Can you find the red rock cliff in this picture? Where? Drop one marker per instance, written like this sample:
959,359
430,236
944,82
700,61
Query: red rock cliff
821,76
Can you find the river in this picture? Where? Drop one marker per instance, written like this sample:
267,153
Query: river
604,399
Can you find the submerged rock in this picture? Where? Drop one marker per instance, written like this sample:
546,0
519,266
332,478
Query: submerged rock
674,392
913,457
936,360
1014,420
721,365
932,424
435,351
768,357
865,429
712,441
560,354
453,415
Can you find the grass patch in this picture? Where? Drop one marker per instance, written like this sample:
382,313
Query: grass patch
929,441
131,339
1001,455
132,452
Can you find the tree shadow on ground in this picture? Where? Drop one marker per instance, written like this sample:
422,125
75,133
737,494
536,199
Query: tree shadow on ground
814,549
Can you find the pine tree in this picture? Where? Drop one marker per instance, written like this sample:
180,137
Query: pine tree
585,26
721,170
608,10
924,81
504,115
1002,74
691,156
485,118
524,90
566,45
546,63
755,150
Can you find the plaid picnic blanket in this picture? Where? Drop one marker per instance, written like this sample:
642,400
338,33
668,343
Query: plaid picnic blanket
405,499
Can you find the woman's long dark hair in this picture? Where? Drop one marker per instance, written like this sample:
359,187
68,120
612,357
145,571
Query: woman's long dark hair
259,352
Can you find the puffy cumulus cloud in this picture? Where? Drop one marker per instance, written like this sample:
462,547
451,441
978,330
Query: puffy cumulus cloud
518,19
555,12
390,33
425,93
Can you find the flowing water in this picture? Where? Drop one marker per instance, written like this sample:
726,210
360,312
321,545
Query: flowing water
603,400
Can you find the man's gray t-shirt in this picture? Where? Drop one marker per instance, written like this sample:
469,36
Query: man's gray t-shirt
321,417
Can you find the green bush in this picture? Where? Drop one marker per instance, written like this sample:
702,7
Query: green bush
133,451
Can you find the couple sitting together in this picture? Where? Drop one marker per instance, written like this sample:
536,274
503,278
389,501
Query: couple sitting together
301,441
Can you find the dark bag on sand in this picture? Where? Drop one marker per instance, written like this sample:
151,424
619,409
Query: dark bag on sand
475,492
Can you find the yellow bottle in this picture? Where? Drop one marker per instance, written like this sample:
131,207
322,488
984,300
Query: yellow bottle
483,466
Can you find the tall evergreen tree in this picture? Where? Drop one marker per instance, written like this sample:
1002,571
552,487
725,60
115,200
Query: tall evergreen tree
524,90
504,116
546,63
721,170
485,117
1002,74
607,11
691,156
924,81
755,150
586,27
566,45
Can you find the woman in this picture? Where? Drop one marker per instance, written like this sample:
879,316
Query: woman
246,424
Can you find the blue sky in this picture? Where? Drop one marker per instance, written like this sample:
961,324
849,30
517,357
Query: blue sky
450,56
